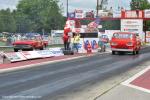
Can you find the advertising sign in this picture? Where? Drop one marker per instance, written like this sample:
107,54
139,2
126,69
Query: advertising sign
71,14
31,54
117,14
148,36
133,25
132,14
110,33
147,13
56,51
79,14
84,42
45,53
15,56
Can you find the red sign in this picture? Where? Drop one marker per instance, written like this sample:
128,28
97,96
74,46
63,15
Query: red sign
132,14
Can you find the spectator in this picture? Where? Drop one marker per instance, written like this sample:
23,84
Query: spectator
76,41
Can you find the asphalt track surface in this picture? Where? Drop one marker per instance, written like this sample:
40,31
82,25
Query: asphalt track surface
51,81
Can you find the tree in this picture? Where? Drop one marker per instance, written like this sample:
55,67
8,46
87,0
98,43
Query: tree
139,4
7,21
38,15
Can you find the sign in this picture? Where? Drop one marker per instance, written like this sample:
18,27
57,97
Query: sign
15,56
84,42
78,30
79,14
148,36
45,53
110,33
71,15
56,51
132,14
147,13
31,54
117,14
89,14
70,24
133,25
93,42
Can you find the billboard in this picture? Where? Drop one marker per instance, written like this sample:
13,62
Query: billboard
147,13
79,14
133,25
132,14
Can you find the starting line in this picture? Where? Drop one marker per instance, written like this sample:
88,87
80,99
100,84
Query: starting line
131,80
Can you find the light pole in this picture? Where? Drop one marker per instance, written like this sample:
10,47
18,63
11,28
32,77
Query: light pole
97,8
67,9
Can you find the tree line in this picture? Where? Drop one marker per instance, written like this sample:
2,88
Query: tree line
32,16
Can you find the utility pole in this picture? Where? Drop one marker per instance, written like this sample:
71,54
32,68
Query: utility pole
67,9
97,7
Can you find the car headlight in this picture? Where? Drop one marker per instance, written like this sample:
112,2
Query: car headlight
113,43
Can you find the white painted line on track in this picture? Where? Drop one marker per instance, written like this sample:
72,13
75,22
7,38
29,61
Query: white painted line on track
127,82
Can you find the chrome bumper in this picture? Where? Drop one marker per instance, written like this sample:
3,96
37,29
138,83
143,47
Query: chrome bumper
114,49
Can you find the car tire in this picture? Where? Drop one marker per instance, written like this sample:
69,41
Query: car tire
134,52
137,52
42,48
113,52
15,50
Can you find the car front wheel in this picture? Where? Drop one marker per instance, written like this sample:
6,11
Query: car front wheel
134,52
137,52
113,52
15,50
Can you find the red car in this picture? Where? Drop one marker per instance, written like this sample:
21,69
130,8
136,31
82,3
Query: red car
125,42
30,43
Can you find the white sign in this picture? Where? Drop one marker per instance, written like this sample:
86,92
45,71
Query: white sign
148,36
31,54
79,14
45,53
116,14
78,30
147,13
56,51
15,56
133,25
110,33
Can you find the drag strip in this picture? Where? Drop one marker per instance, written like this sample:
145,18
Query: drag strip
48,82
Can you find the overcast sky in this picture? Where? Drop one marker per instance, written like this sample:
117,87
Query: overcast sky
73,4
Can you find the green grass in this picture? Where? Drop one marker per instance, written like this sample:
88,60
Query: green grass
2,43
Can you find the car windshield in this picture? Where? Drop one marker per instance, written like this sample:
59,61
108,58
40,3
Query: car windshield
122,36
29,38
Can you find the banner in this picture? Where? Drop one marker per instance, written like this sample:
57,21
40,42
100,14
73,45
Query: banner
15,56
133,25
147,14
84,42
45,53
56,51
132,14
148,37
79,14
31,54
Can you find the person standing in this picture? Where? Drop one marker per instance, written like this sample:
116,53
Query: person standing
65,39
76,41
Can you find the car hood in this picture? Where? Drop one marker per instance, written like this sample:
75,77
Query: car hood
24,42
